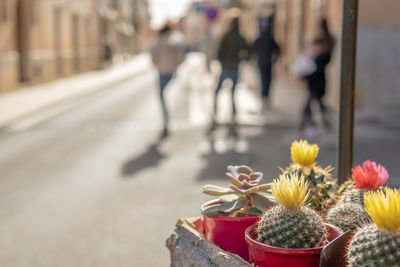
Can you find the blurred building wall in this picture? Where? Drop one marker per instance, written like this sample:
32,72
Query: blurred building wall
42,40
378,51
204,34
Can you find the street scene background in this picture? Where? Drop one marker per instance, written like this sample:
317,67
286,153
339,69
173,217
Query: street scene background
87,175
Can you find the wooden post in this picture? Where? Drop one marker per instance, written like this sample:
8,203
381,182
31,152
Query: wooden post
347,90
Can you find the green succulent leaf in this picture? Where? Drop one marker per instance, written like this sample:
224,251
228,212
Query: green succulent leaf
234,180
230,207
237,190
247,185
260,188
214,190
263,201
228,198
254,211
212,210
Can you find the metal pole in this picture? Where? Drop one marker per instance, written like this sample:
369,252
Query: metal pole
347,90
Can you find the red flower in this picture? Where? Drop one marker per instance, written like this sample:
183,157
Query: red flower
370,175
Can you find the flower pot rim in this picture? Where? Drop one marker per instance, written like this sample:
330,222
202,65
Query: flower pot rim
293,251
225,218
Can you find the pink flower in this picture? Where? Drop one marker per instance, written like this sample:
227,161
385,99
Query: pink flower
370,175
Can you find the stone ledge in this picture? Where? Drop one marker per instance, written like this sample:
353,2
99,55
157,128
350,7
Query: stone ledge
188,247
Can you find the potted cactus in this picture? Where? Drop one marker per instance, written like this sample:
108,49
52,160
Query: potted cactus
289,234
322,186
377,244
237,207
349,213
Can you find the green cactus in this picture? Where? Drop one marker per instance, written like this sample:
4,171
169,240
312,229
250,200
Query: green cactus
244,197
353,195
291,225
348,216
372,247
302,228
322,186
377,244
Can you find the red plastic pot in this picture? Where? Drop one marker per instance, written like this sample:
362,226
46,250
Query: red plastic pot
264,255
227,232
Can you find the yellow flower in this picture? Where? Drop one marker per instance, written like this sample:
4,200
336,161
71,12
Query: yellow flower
304,153
290,190
384,208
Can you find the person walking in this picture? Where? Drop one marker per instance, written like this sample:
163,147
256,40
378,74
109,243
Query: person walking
267,50
316,84
167,53
232,49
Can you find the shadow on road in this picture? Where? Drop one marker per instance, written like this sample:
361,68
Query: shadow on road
150,158
225,147
262,148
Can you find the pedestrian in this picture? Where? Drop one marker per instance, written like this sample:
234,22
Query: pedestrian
316,84
329,40
167,53
232,49
267,50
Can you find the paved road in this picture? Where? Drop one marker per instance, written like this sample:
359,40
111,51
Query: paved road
91,184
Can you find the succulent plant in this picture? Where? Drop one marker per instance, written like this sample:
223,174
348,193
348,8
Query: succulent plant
291,224
378,244
244,197
348,216
322,186
369,176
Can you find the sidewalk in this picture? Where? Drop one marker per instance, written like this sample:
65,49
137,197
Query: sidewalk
21,103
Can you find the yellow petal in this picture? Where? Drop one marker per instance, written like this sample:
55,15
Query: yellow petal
303,153
383,206
290,190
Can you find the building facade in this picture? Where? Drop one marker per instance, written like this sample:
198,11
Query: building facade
43,40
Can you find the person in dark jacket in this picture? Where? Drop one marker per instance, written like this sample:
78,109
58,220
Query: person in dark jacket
316,83
267,50
232,49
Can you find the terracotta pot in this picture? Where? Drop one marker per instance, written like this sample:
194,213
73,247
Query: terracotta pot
264,255
227,232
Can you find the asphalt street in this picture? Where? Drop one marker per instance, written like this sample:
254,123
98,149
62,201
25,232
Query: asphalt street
90,183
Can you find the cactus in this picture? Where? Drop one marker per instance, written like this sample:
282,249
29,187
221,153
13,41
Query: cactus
291,225
354,196
322,186
378,244
348,216
369,176
244,197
